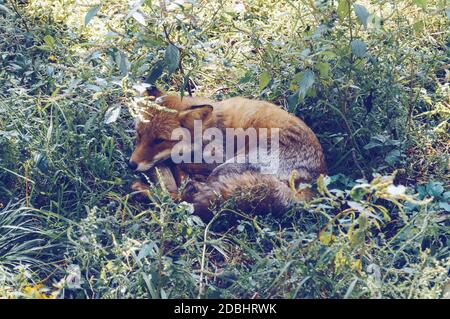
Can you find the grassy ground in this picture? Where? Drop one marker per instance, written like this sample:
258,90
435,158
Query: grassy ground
375,92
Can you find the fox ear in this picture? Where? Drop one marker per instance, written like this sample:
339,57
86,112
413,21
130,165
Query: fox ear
201,112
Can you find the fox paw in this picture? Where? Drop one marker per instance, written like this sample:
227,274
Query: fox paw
142,190
139,186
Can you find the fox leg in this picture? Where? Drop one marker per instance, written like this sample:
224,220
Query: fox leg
253,192
143,191
201,195
165,176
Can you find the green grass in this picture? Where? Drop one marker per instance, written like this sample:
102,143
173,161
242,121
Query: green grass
70,229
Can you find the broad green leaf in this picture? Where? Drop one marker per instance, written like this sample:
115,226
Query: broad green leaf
112,114
323,68
312,92
90,14
305,53
49,40
359,48
326,238
362,13
41,161
264,80
445,206
306,81
172,58
357,193
435,189
376,21
124,64
392,157
156,72
293,102
5,9
418,26
139,17
356,206
343,9
145,251
357,238
246,78
421,3
328,55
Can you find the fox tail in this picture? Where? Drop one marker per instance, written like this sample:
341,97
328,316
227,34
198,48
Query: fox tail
251,192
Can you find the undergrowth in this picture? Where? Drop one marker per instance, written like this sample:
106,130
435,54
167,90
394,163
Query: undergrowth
371,79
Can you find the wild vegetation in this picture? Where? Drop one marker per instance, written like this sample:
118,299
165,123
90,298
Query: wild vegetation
371,78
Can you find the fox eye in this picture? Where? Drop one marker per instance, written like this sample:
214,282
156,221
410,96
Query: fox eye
158,141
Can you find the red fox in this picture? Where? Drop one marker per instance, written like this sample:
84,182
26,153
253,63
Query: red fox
255,190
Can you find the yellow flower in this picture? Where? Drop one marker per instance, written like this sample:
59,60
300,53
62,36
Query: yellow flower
339,260
356,265
53,58
35,292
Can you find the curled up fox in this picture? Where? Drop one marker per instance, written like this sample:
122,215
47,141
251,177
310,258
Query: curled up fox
250,150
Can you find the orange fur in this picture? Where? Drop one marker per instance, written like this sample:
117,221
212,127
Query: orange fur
300,150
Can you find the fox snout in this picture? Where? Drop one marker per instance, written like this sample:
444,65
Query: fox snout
141,166
132,165
144,158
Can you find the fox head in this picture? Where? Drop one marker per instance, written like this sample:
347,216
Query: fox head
154,132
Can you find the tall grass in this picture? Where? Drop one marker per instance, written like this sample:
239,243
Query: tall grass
69,227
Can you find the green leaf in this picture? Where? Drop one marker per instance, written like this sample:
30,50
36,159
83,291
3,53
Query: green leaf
418,26
445,206
326,238
139,17
357,238
306,81
172,58
350,288
293,102
357,193
185,85
90,14
41,161
421,3
124,64
156,72
5,9
362,13
246,78
435,189
264,80
343,9
323,68
112,114
359,48
49,40
392,157
328,55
